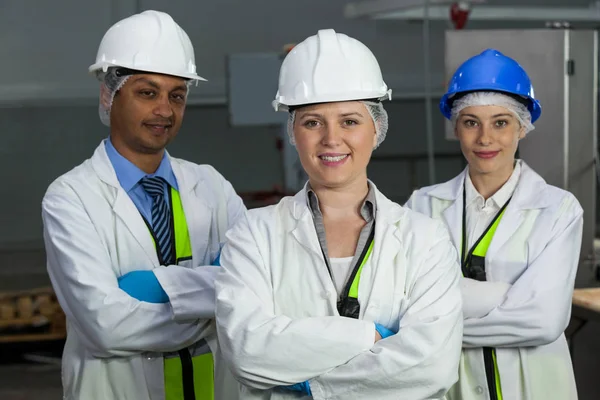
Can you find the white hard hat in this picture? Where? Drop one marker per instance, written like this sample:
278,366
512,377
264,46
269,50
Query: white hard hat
329,67
149,42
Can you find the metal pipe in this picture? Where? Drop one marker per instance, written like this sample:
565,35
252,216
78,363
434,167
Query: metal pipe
428,108
566,84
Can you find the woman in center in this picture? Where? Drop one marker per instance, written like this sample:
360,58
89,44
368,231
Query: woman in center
337,292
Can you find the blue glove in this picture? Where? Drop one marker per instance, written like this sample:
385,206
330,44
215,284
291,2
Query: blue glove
217,261
303,388
144,286
383,331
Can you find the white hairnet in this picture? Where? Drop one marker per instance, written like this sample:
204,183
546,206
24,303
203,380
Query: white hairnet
111,83
376,111
494,99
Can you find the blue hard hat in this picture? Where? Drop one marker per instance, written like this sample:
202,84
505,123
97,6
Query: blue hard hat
491,71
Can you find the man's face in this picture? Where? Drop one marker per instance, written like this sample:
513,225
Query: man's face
147,112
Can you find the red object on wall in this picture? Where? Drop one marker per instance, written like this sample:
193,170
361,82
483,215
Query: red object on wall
459,14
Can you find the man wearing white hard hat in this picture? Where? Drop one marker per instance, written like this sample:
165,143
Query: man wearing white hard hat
132,233
337,292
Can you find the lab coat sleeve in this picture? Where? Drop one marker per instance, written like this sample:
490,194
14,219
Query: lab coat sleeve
410,203
265,349
419,202
421,360
480,298
191,291
537,308
109,321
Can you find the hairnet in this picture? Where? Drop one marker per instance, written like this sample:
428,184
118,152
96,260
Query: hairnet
494,99
376,111
110,85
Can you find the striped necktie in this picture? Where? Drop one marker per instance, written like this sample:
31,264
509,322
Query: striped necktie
161,217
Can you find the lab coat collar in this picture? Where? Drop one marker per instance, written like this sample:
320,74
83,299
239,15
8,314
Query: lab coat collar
387,235
186,179
103,167
122,204
198,212
529,193
387,211
195,207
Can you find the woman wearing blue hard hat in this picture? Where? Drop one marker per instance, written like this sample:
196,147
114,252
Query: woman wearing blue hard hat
519,240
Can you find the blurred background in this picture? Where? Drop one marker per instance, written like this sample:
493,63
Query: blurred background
49,123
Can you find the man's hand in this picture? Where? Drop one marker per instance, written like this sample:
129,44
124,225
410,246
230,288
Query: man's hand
382,332
144,286
303,388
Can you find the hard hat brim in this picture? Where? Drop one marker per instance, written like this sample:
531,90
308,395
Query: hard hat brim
282,104
103,66
533,106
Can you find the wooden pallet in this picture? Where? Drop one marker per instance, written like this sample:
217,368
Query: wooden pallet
31,315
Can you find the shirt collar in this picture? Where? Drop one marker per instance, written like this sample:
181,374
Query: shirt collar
368,209
129,174
501,196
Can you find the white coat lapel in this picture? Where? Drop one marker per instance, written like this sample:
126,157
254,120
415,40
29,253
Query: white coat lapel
132,219
198,213
387,243
304,231
447,201
305,234
528,195
510,222
453,218
387,235
122,206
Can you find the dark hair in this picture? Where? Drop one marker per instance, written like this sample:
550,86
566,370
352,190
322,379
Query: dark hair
121,71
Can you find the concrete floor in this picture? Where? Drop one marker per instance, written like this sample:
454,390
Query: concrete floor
30,382
30,372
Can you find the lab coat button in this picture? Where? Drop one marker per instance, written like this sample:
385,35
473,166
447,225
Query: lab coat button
325,295
479,390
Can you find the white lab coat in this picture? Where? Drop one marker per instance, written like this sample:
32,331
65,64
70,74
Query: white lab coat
94,234
278,323
525,306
